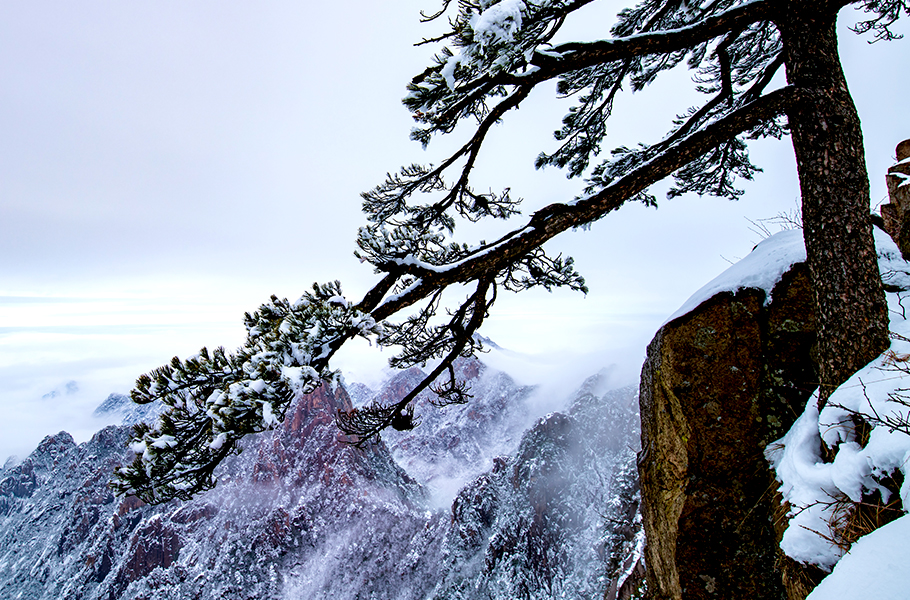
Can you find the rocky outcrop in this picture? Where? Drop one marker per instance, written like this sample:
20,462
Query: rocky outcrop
896,214
719,384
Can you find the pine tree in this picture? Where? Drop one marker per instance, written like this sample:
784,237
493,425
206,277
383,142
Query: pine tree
493,55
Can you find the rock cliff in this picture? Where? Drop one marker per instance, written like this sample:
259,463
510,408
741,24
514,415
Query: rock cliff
721,381
896,214
291,494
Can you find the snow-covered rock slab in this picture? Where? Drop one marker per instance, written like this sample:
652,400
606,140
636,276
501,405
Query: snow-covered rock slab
761,269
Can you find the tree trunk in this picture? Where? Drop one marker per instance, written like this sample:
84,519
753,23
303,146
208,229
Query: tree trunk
827,139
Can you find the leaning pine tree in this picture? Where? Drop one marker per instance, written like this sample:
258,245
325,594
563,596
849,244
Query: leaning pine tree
492,57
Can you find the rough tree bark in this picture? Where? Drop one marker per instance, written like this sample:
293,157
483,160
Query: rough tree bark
828,142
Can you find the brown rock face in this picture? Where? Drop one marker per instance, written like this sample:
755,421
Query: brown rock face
719,384
154,545
896,215
903,150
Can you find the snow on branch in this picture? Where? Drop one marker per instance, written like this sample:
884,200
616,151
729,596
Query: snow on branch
501,49
214,399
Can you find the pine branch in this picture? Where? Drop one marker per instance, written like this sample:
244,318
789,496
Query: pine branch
366,423
556,218
887,12
577,55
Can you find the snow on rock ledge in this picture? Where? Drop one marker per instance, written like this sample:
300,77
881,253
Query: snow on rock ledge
877,566
810,485
761,269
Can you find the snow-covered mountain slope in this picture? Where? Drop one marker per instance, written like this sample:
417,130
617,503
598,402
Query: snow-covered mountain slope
300,514
457,443
64,535
120,408
555,519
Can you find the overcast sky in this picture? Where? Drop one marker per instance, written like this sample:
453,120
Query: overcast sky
166,166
